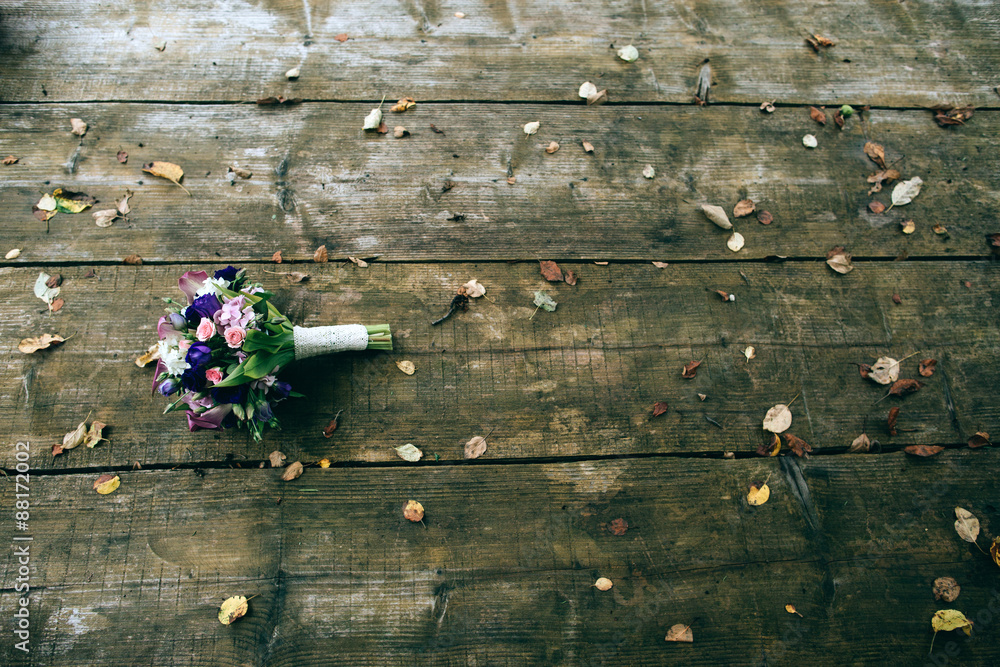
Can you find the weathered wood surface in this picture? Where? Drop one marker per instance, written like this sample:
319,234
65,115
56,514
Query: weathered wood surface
577,382
319,179
502,571
888,53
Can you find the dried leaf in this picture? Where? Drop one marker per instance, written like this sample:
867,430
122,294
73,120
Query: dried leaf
320,255
659,408
680,633
660,265
31,345
409,453
106,484
10,159
587,146
43,290
790,608
134,260
435,130
232,609
908,226
817,115
690,369
95,434
324,463
475,447
995,550
735,242
923,450
570,278
122,205
399,132
702,396
292,73
57,450
472,289
979,439
750,353
891,420
403,104
372,120
296,277
743,208
966,525
768,107
79,126
105,218
544,301
940,229
809,141
799,446
551,271
68,201
838,118
292,472
532,127
946,115
56,305
342,37
897,299
277,459
167,170
946,588
406,366
817,42
359,262
648,171
276,257
905,191
764,217
598,98
75,437
603,584
331,426
860,444
552,148
950,619
13,254
618,527
778,419
413,511
243,173
717,214
149,356
876,207
839,260
926,368
726,296
905,386
885,370
772,448
758,494
628,53
876,153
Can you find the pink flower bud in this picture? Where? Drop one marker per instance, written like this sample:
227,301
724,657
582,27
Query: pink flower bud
235,336
213,375
206,329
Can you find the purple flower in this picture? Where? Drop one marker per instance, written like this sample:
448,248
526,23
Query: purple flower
198,355
169,386
228,273
235,313
264,413
210,419
178,322
281,389
161,369
193,380
237,394
191,282
204,306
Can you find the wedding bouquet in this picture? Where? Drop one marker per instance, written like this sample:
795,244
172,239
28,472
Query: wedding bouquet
221,352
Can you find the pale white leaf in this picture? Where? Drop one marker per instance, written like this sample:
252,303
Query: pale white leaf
967,525
587,89
735,242
532,127
373,120
409,453
809,141
628,53
43,291
717,214
778,419
905,191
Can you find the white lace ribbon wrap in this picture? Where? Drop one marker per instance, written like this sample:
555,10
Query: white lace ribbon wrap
313,341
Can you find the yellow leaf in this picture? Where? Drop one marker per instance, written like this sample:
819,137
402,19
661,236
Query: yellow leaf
324,463
232,609
758,495
106,484
29,345
413,511
152,354
407,367
790,608
167,170
950,619
71,202
95,434
995,551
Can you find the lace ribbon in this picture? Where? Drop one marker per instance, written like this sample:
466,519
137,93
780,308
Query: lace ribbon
313,341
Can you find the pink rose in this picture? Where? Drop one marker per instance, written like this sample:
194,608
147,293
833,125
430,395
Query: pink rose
184,345
213,375
235,336
206,329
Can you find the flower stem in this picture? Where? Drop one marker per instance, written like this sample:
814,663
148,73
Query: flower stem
379,337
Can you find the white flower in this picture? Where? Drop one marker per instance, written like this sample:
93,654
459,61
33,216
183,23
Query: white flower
173,358
212,286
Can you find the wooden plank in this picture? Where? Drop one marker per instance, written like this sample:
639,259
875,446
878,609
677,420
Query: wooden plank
502,571
580,381
888,54
318,179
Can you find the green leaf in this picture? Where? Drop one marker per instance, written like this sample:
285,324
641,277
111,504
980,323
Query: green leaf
544,301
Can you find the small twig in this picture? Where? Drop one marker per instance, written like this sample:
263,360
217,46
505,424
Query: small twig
712,421
459,302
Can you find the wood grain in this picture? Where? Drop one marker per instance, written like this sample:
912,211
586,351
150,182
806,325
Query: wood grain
577,382
917,53
318,179
502,572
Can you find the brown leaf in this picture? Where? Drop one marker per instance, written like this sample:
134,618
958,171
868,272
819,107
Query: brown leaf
896,299
245,174
839,260
382,128
413,511
743,208
276,257
680,633
659,408
10,159
598,98
122,157
772,448
359,262
946,115
860,444
587,147
690,369
618,527
30,345
940,230
838,118
167,170
296,277
54,280
133,259
946,588
330,428
57,449
764,217
56,305
403,104
980,439
570,278
994,240
725,295
927,367
320,255
79,126
876,153
399,132
876,207
865,370
817,115
660,265
798,445
342,37
905,386
475,447
292,471
435,130
891,420
923,450
552,148
551,271
277,459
